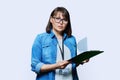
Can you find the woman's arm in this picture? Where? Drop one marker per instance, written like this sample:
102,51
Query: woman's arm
58,65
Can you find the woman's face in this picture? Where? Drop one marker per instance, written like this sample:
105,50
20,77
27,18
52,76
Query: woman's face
59,23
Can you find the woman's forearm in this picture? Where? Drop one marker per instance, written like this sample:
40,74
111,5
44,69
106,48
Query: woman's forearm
48,67
58,65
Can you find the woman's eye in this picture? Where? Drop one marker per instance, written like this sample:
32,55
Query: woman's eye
58,18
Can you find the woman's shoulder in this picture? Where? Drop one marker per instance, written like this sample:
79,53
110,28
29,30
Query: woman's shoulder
72,39
42,34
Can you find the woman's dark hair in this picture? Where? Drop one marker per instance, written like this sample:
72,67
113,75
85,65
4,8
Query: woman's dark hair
65,13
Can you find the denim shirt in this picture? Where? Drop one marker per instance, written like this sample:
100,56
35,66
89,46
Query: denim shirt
44,51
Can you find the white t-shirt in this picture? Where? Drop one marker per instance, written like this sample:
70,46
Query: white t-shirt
65,75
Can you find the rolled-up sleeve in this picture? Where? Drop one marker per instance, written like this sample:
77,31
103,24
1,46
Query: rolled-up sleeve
36,63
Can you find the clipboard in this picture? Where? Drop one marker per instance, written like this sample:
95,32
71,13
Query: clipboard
85,55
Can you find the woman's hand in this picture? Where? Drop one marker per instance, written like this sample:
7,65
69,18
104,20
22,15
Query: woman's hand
62,64
85,61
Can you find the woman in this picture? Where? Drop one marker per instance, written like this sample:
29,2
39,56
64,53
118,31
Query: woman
52,49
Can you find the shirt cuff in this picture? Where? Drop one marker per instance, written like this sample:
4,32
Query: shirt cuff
38,67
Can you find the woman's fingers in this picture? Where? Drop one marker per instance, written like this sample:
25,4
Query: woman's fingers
63,64
85,61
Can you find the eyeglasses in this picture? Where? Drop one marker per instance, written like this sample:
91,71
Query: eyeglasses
58,20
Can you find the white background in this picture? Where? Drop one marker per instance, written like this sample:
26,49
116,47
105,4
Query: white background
22,20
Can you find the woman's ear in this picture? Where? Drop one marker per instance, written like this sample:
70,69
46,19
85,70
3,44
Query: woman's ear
51,20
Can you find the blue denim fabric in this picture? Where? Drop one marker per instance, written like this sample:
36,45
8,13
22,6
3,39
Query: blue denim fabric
44,51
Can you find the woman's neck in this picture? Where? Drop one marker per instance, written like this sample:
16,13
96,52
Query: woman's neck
59,35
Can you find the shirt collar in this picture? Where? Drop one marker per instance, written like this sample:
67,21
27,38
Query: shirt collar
53,35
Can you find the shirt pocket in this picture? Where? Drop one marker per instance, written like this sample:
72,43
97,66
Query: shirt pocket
47,51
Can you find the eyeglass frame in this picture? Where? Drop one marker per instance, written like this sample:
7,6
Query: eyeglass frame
59,20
